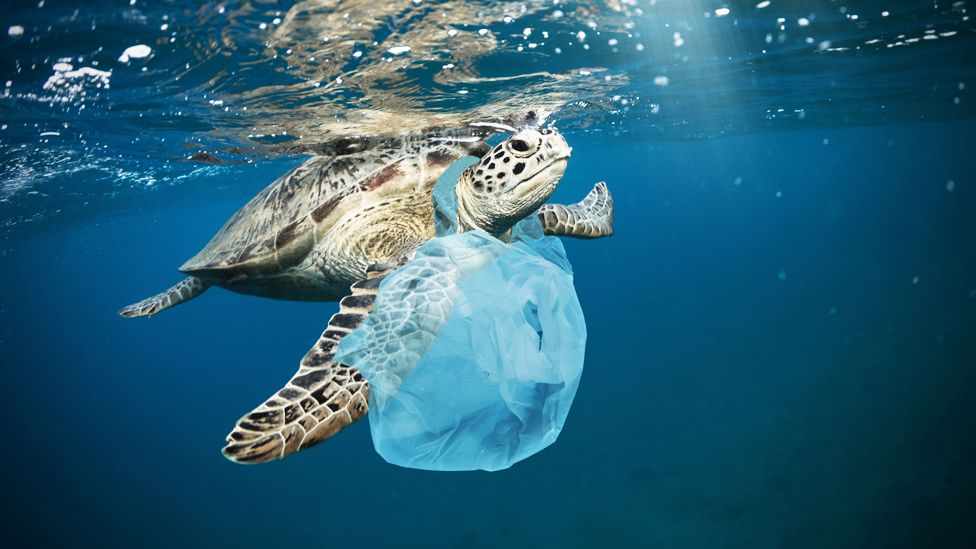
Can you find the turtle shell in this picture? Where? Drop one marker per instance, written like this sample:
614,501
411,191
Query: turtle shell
277,228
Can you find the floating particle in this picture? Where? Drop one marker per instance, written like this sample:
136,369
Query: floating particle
661,81
639,47
15,31
915,280
63,67
950,185
678,40
779,194
803,22
832,310
357,54
826,141
452,33
581,36
263,26
139,51
781,276
738,181
398,50
527,32
612,42
722,12
482,32
763,4
885,13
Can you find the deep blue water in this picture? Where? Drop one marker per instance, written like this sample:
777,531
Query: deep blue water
781,340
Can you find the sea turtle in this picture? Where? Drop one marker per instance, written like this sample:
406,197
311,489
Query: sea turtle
333,227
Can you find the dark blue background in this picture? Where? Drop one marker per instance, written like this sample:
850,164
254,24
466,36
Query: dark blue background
723,404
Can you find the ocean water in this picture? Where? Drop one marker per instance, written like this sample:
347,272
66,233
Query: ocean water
781,343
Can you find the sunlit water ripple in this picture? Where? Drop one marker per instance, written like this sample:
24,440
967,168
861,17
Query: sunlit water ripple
157,94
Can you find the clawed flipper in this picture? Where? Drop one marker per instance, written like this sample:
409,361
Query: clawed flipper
321,399
184,290
591,217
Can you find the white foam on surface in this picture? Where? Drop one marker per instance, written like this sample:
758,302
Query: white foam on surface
139,51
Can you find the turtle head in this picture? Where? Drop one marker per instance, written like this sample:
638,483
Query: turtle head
511,181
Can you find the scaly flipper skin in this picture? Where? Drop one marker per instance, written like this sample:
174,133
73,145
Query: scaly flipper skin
321,399
184,290
592,217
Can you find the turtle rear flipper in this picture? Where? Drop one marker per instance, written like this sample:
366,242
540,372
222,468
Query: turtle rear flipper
184,290
321,399
591,217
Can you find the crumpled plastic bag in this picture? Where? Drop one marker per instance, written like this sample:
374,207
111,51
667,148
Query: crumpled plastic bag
473,353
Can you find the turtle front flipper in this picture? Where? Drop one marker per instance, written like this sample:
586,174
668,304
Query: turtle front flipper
184,290
321,399
591,217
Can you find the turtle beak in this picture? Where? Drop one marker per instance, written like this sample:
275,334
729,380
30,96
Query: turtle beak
544,180
556,143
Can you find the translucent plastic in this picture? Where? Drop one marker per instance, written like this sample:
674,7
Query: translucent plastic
473,354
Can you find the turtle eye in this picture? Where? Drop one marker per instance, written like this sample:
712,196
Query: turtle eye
524,144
